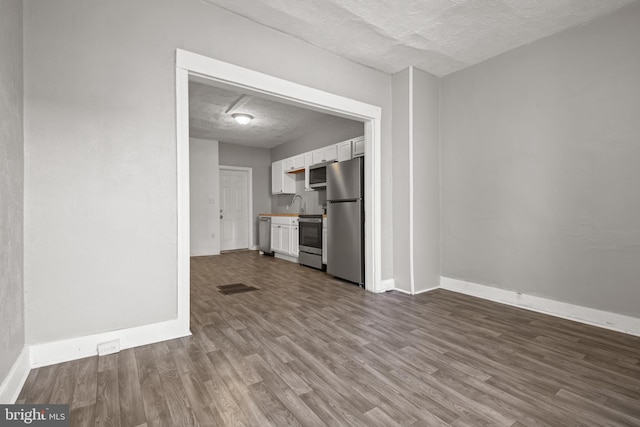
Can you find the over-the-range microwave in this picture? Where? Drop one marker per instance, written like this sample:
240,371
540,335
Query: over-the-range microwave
318,174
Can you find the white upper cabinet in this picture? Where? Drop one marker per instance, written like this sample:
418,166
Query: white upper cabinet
294,163
276,180
287,164
298,162
344,151
282,182
358,146
283,172
325,154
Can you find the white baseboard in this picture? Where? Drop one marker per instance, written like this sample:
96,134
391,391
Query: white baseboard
285,257
387,285
426,290
203,253
415,293
604,319
12,384
76,348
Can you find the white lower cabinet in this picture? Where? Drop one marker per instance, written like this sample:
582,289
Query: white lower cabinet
284,235
285,239
295,237
276,238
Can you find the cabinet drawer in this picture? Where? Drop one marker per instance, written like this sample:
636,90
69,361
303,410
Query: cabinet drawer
284,220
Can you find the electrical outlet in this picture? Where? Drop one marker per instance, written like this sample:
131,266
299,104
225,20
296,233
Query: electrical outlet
108,347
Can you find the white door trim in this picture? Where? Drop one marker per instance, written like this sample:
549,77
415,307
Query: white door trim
249,201
233,76
183,201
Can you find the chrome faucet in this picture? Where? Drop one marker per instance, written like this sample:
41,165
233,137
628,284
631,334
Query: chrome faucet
293,199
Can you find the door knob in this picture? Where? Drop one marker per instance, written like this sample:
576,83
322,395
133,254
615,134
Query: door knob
221,217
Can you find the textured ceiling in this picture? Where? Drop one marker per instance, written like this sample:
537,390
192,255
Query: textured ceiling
438,36
274,123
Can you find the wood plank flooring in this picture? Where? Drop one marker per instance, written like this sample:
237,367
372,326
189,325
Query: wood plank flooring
306,349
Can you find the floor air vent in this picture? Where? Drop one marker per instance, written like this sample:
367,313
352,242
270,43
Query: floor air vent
235,288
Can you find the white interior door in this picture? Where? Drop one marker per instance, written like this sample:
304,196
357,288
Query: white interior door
234,209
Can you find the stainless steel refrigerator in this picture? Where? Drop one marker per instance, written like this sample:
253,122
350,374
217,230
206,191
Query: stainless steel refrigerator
345,215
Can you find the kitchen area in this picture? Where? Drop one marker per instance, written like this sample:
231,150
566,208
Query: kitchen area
283,180
328,233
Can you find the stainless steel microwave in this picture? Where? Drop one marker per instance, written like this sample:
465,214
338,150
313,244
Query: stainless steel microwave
318,174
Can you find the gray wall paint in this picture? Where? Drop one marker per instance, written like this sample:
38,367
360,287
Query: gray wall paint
401,176
11,186
416,160
426,178
313,201
204,197
540,167
259,160
100,147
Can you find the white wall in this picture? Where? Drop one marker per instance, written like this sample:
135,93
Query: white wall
100,147
204,196
541,167
11,186
259,160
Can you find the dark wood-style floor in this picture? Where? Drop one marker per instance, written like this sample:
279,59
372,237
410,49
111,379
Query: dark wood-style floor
310,350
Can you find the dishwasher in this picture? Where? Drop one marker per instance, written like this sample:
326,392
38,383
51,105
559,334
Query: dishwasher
264,235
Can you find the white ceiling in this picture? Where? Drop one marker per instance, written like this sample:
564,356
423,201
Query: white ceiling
438,36
274,123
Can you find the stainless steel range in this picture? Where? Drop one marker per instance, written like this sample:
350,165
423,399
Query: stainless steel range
310,241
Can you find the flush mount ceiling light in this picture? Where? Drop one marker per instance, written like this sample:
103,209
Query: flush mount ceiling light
242,118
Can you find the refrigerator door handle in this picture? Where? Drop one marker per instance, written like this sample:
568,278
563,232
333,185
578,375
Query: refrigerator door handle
345,201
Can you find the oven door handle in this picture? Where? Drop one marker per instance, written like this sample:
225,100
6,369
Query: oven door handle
310,220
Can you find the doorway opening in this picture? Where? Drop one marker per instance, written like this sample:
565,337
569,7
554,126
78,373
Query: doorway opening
193,66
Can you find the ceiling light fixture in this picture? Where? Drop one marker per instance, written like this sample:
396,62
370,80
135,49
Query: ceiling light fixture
242,118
